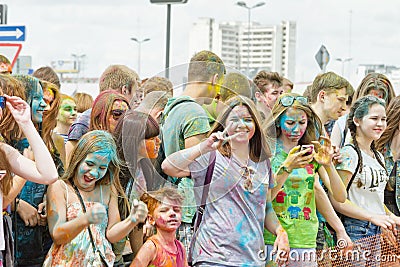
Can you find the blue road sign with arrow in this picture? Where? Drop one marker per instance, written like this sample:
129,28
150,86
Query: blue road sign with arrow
12,33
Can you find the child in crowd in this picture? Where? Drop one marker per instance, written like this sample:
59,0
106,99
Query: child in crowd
163,249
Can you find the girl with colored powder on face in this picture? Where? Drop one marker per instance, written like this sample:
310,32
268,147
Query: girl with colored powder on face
13,164
137,140
31,223
295,199
108,108
238,205
363,171
51,96
91,178
66,116
163,249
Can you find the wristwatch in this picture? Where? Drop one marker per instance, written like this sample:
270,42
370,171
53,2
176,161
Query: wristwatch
283,169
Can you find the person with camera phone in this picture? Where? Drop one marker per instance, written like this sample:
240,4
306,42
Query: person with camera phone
298,163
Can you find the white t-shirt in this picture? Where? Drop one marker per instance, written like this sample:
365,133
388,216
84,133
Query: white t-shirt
341,124
373,179
231,231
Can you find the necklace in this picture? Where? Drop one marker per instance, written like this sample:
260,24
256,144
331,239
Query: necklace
247,172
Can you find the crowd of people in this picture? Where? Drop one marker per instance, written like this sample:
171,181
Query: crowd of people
233,171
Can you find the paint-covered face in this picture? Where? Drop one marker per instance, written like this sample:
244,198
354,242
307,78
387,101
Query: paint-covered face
92,169
271,94
149,148
293,124
67,113
38,105
335,103
240,121
373,124
167,216
48,96
118,109
377,93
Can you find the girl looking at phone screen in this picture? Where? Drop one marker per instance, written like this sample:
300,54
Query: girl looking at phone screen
294,198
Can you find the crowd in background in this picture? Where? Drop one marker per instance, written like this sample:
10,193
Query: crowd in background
234,171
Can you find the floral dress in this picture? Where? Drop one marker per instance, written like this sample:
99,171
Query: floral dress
79,251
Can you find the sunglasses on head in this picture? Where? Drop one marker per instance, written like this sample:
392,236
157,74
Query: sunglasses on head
117,113
288,100
2,101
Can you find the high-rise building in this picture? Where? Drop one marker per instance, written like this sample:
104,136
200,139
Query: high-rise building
271,48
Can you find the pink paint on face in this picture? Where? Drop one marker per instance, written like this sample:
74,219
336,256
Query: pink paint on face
167,216
117,105
293,124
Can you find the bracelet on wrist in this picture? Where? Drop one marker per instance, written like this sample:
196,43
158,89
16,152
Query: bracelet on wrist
283,169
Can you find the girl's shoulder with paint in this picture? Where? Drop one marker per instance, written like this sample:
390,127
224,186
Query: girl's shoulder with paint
348,150
58,184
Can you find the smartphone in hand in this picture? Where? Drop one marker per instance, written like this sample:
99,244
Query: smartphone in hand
310,149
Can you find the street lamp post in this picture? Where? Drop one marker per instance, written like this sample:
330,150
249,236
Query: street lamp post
78,59
344,60
243,4
139,42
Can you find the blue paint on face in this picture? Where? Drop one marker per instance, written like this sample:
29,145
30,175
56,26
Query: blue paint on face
293,124
38,105
104,153
93,168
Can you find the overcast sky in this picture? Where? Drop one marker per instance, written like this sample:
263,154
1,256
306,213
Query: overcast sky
102,30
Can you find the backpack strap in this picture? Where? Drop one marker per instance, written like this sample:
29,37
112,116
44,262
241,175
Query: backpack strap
206,189
345,130
161,151
357,168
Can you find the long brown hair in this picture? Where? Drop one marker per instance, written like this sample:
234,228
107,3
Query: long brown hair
259,150
50,116
393,122
92,142
9,128
131,130
7,182
375,81
102,108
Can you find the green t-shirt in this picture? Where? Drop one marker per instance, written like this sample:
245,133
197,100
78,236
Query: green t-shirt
295,205
184,120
